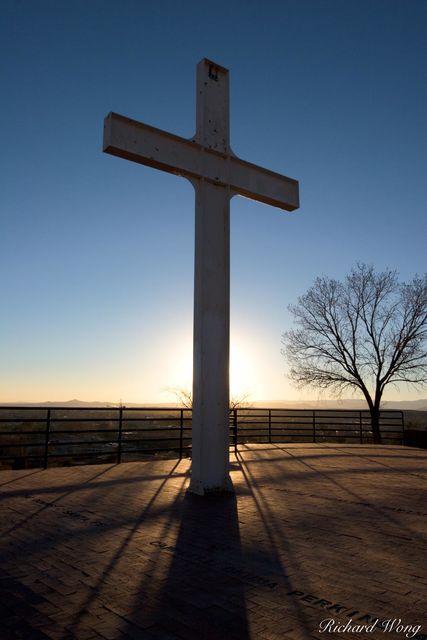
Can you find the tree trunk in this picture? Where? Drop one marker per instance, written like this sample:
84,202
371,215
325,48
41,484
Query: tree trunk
375,422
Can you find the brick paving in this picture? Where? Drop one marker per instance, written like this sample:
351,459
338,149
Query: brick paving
314,532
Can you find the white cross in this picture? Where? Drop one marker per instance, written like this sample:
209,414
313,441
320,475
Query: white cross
217,174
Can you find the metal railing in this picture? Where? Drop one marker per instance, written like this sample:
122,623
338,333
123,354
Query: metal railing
314,425
39,436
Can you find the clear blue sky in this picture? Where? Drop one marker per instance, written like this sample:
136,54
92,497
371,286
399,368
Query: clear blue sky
97,253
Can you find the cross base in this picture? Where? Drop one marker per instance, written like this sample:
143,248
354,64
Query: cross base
196,488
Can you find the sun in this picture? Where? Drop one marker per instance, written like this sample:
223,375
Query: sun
241,374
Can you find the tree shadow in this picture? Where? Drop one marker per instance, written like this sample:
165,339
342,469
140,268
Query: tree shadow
375,509
19,477
73,487
62,496
284,562
120,550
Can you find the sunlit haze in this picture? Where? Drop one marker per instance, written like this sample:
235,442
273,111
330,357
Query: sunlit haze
97,253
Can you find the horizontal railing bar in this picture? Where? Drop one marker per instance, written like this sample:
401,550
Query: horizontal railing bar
73,431
82,454
21,444
139,450
53,420
81,431
62,443
18,420
300,425
147,419
96,420
20,433
306,434
28,457
160,429
131,451
130,440
276,429
85,431
331,420
70,443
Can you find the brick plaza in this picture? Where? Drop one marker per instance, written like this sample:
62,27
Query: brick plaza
314,532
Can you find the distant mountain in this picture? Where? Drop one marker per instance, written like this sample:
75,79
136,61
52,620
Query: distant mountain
402,405
67,403
409,405
356,405
77,403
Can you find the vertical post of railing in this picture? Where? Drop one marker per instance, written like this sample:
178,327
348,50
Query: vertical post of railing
314,425
403,427
235,430
269,426
120,436
46,440
360,428
181,432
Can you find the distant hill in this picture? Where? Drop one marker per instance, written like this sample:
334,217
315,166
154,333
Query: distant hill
402,405
67,403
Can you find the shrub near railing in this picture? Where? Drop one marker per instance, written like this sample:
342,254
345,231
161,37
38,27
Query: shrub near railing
52,436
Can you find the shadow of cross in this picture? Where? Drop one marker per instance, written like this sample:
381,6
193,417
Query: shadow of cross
217,174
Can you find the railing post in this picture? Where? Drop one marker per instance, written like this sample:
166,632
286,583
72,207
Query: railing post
269,426
181,432
314,425
403,427
119,435
360,428
46,441
235,430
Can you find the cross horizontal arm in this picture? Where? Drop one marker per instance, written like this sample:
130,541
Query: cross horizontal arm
147,145
257,183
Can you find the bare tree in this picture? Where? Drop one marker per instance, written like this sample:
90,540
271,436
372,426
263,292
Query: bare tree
183,395
240,401
185,398
364,333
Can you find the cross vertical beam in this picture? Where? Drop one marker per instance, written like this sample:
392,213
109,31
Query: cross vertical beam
211,341
211,338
